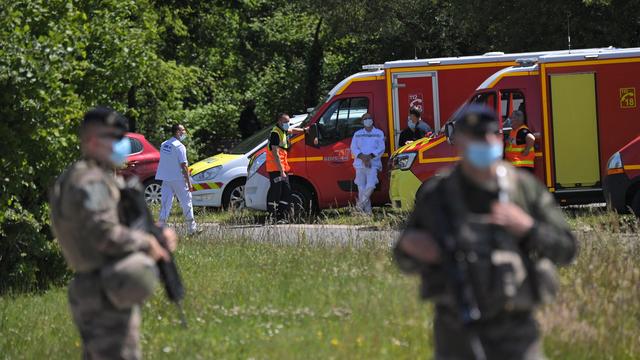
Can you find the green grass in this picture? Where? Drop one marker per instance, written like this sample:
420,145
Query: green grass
258,300
382,218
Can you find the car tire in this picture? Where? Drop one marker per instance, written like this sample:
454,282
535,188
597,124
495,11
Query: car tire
635,203
303,203
233,195
152,191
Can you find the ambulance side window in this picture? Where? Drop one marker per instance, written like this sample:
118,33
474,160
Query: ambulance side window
341,120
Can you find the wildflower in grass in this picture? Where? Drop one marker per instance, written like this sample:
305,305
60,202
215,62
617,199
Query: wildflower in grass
360,340
335,342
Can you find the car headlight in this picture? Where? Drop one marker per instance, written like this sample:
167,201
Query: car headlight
615,162
403,161
256,163
209,174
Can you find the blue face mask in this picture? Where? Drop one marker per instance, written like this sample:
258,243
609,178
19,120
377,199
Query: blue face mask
285,126
120,150
482,155
411,125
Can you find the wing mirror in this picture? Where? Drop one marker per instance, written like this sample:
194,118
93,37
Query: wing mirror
449,132
311,137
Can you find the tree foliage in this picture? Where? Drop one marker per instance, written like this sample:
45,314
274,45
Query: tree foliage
197,62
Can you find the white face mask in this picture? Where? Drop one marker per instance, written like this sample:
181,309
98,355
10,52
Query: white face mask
182,137
367,123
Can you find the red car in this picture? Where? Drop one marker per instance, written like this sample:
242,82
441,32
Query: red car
143,163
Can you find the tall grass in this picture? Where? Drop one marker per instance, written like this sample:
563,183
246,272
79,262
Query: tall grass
251,299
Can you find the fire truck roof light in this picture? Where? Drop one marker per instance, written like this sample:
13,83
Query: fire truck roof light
526,62
494,53
373,67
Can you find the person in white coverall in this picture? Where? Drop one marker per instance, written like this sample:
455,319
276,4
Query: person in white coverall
173,170
367,148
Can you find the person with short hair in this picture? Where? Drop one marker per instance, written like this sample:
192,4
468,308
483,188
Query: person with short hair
519,148
105,254
279,194
412,132
415,114
484,237
173,171
367,148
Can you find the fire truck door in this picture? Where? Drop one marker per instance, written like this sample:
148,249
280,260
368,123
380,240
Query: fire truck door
414,89
575,130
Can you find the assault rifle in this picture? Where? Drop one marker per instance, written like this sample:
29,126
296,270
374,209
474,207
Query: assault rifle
454,261
137,215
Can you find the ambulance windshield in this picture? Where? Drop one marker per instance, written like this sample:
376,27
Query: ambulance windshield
313,112
251,142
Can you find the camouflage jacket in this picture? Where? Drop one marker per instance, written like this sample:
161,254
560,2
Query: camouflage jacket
85,218
550,237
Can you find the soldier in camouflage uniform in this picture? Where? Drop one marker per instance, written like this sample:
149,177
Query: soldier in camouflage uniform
114,265
528,225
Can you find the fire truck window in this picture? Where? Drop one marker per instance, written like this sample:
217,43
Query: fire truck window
488,99
341,120
510,101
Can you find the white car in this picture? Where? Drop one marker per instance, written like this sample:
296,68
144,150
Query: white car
219,181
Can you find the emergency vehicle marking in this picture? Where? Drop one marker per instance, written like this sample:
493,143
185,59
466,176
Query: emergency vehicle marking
545,124
296,139
628,98
508,74
632,167
417,101
439,160
368,78
429,146
206,186
594,62
301,159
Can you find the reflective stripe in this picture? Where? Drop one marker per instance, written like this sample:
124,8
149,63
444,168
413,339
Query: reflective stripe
205,186
516,149
514,152
523,163
272,164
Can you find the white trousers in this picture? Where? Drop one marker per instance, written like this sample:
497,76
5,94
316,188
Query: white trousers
181,191
366,179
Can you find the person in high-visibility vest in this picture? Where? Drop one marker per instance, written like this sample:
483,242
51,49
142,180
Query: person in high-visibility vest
519,148
279,195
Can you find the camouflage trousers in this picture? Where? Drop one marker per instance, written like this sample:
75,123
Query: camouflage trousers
106,332
508,337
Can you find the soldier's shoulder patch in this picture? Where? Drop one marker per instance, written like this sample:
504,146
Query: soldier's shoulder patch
96,196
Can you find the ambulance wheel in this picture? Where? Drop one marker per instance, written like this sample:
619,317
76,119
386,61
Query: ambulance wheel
152,191
233,196
303,204
635,203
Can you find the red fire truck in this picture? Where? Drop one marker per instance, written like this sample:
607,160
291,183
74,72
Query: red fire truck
580,105
322,172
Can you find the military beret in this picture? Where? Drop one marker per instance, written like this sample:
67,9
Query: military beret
106,116
476,120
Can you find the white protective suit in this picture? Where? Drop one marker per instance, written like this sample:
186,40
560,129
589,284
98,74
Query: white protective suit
369,143
172,155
